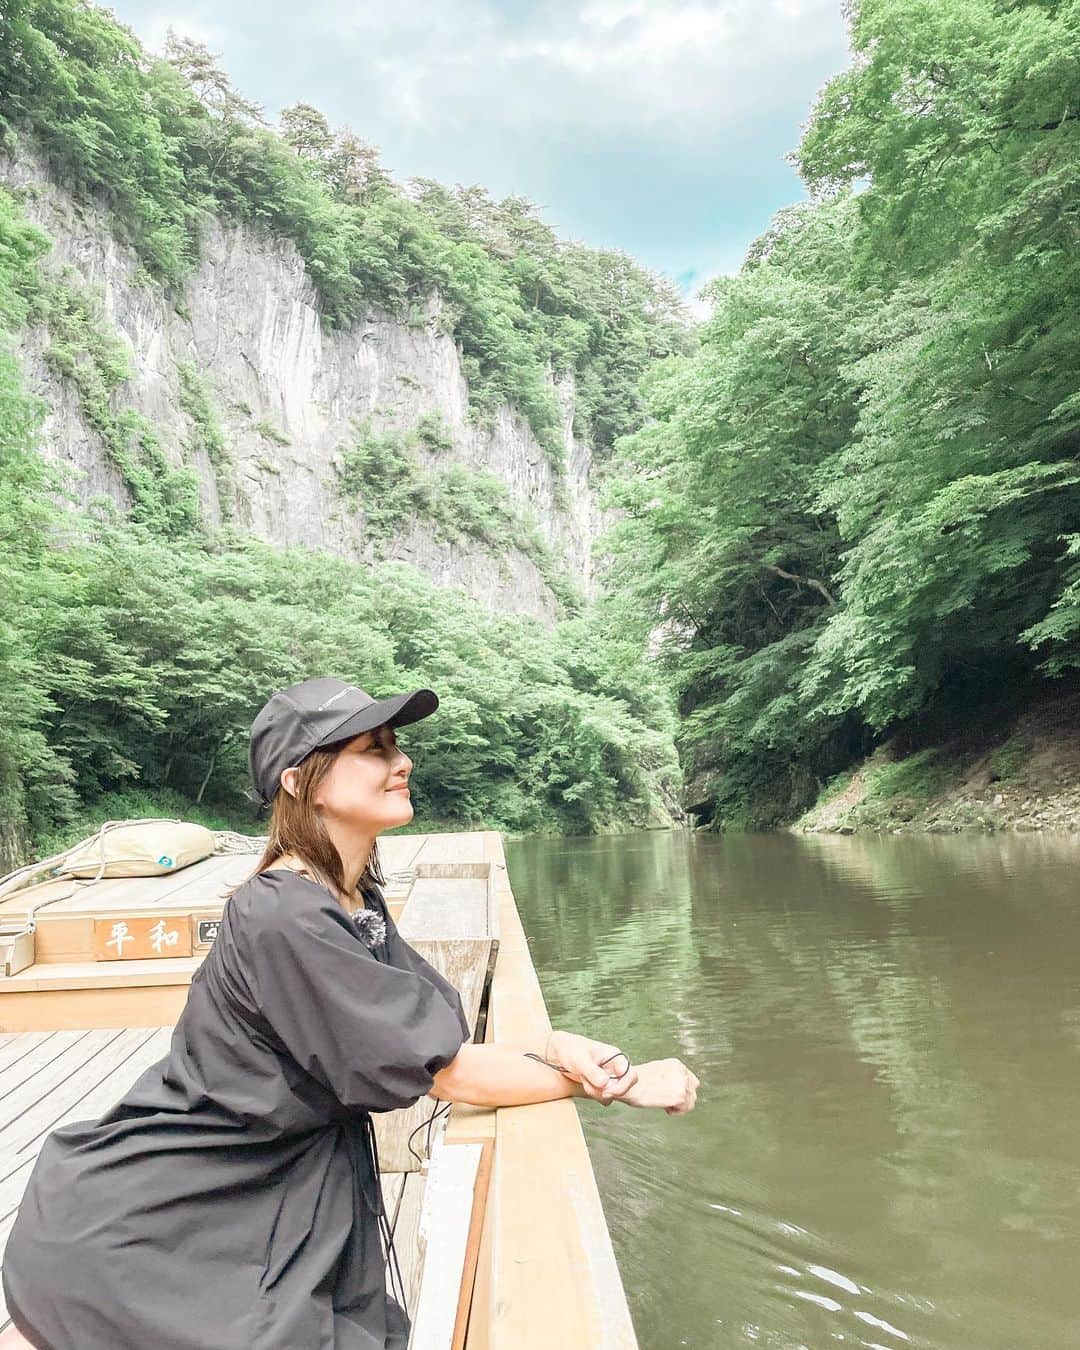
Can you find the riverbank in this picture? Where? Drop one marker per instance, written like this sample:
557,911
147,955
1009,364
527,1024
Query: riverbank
1022,775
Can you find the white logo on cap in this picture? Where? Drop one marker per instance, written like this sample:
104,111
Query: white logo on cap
333,699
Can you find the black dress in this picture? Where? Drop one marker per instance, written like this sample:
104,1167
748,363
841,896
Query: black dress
229,1201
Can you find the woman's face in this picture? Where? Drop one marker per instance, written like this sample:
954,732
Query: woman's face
366,786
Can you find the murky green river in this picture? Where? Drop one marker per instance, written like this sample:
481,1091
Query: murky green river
885,1150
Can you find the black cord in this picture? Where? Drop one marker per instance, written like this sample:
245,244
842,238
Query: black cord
440,1109
616,1056
561,1069
390,1256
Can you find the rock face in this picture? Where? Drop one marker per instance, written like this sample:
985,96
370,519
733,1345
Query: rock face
289,395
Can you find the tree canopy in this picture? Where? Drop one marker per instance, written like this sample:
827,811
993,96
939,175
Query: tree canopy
858,501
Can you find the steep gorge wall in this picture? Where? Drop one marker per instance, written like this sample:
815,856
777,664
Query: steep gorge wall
289,395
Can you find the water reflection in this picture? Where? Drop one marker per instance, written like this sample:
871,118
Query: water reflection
884,1150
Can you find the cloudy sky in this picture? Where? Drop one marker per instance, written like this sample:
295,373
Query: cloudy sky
656,126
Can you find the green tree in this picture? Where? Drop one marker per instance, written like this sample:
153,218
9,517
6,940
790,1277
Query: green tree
857,504
307,131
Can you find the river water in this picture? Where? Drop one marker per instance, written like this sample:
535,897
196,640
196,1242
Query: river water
885,1150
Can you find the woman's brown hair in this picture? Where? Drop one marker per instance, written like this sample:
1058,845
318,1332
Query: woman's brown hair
296,826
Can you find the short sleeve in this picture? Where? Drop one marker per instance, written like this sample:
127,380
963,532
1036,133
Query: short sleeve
374,1034
408,958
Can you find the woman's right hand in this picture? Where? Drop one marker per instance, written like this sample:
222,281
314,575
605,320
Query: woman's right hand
663,1082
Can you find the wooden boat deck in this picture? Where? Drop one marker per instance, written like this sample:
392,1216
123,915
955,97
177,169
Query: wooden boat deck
500,1234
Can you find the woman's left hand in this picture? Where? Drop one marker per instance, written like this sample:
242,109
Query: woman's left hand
581,1059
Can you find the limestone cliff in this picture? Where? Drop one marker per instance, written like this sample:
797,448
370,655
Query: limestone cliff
289,395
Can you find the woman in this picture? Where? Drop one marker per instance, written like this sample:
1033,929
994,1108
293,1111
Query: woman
231,1199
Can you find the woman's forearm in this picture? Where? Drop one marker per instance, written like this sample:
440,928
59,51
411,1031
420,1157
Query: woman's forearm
501,1075
541,1044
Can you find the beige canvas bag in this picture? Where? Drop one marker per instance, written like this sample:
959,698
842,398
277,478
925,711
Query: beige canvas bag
140,848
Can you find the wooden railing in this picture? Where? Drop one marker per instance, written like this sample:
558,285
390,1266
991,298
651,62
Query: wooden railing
546,1273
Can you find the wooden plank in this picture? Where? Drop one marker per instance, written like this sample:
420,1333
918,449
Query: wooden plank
445,1223
477,870
494,879
400,850
478,1330
208,889
101,974
472,1243
464,964
56,891
112,1078
41,1113
201,883
61,937
198,887
396,891
393,1130
69,938
472,1124
138,892
109,1075
116,1077
110,1005
15,1168
467,846
447,907
70,1063
16,1044
407,1239
37,1057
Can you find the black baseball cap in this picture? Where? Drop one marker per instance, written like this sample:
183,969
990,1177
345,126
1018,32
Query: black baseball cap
321,712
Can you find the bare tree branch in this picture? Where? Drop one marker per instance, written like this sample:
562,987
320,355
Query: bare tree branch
812,582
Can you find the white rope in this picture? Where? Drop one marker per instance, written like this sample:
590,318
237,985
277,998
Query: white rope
228,841
225,841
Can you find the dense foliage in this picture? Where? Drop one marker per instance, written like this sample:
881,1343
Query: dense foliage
134,655
131,661
858,504
168,142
